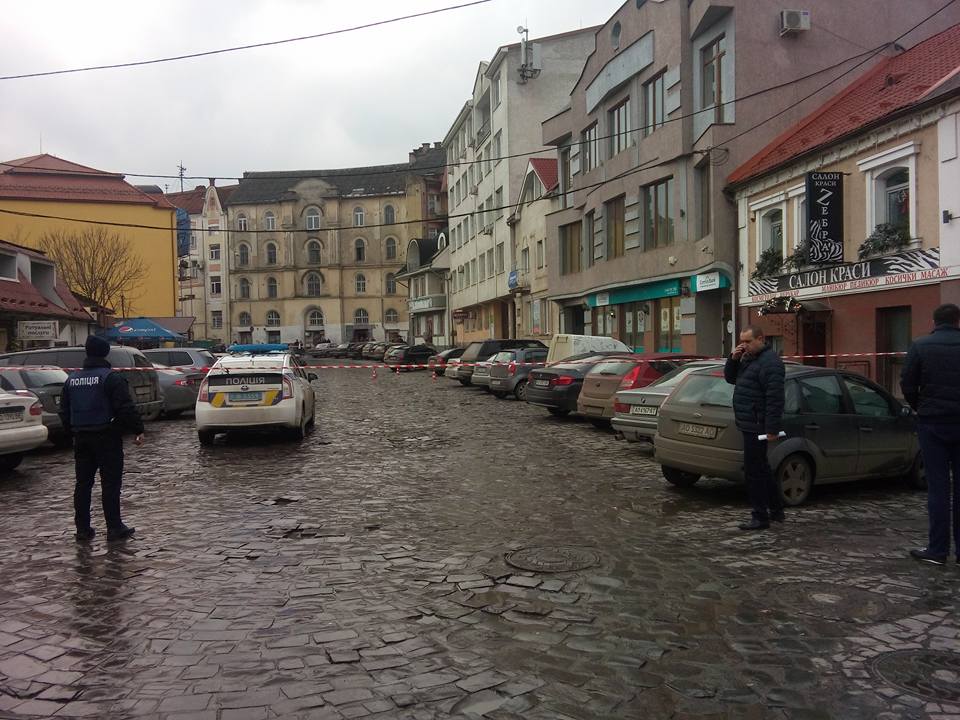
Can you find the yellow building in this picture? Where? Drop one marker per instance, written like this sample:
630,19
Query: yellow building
36,191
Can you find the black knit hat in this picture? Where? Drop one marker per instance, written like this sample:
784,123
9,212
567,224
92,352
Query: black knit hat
97,347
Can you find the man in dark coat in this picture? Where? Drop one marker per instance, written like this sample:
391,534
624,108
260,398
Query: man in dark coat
758,374
97,408
930,382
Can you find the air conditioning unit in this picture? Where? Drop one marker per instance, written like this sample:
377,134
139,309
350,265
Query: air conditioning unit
794,21
474,189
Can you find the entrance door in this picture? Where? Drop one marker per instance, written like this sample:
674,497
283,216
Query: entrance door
573,321
893,336
814,332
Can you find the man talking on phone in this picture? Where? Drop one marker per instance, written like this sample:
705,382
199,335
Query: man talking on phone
757,373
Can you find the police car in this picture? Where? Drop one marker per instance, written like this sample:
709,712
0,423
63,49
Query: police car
21,427
256,387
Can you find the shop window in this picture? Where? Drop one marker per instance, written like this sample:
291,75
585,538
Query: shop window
668,316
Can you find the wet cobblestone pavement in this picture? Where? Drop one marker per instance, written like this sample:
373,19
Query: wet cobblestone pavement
408,561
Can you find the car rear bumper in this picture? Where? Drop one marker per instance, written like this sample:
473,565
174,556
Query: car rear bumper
178,399
699,459
507,384
208,417
594,408
482,380
561,398
634,428
21,439
452,372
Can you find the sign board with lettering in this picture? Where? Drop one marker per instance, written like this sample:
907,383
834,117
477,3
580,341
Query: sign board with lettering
603,299
825,217
38,329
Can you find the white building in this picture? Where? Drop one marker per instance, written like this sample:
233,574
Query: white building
428,264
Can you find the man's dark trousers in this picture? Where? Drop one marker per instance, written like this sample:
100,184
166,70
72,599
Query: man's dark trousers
761,486
98,451
940,444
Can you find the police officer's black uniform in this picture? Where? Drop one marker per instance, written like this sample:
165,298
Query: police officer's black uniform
97,408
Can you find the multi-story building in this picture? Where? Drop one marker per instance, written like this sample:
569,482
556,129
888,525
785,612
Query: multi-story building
425,274
204,272
314,253
522,83
654,125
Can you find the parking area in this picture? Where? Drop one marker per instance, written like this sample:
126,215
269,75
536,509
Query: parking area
430,551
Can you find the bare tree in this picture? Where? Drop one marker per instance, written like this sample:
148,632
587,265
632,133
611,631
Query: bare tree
97,263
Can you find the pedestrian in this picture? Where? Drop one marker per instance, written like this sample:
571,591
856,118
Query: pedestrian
757,372
930,382
97,409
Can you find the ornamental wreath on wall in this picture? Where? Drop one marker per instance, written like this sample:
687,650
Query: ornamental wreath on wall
779,306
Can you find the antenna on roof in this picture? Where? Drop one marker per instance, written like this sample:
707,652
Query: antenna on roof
182,170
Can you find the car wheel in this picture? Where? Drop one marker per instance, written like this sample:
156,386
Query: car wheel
464,382
680,478
795,477
300,432
558,412
600,423
206,437
918,474
520,392
10,462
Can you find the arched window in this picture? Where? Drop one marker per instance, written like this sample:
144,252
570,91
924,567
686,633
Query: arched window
314,254
391,248
771,231
361,317
271,254
358,216
389,215
313,284
615,35
273,318
242,223
391,284
359,250
313,219
244,290
272,287
269,221
243,254
245,319
315,318
391,316
361,283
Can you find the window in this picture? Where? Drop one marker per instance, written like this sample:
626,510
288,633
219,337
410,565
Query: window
866,400
525,260
894,336
540,258
473,271
391,284
361,317
896,199
771,231
314,252
498,202
273,336
483,266
703,182
272,287
314,285
269,221
358,217
271,254
668,317
615,211
242,225
490,262
654,95
215,251
615,32
566,174
586,238
193,242
391,316
712,61
498,145
389,215
215,287
500,259
487,167
589,149
315,318
658,214
273,318
570,249
821,395
619,127
391,248
313,219
216,319
243,255
495,91
244,289
360,283
245,320
359,250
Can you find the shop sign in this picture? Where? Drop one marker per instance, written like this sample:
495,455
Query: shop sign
708,281
603,299
825,217
460,315
38,329
513,280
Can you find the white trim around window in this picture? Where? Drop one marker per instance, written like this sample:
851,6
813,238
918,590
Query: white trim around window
760,223
875,166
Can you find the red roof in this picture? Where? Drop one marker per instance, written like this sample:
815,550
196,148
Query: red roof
895,84
46,177
546,170
192,200
24,297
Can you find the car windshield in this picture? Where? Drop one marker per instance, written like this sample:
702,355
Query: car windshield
673,378
472,353
711,389
504,357
39,378
612,367
207,358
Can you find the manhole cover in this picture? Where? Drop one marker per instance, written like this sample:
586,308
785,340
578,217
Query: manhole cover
552,559
925,673
833,602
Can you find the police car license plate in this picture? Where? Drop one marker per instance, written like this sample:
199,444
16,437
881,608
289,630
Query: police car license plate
245,396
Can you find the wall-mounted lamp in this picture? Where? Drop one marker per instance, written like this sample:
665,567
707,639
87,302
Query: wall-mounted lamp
948,216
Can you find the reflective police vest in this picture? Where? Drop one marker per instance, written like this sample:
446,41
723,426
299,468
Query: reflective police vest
89,403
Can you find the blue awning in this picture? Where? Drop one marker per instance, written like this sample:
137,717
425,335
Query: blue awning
138,329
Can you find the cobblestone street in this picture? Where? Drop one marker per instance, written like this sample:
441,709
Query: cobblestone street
376,571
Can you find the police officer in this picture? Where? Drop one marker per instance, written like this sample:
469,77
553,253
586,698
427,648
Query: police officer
97,408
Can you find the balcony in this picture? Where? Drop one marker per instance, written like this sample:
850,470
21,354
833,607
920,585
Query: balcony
427,303
483,132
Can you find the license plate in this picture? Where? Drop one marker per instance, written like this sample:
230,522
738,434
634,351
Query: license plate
643,410
10,415
708,432
246,396
498,383
542,383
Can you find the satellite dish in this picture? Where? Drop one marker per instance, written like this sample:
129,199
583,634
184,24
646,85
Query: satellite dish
521,29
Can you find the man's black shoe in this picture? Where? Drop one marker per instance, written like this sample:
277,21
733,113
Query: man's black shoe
86,535
924,555
755,524
121,533
777,517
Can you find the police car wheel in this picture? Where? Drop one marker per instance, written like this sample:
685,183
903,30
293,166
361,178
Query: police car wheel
206,437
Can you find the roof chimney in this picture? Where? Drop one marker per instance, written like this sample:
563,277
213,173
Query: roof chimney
213,181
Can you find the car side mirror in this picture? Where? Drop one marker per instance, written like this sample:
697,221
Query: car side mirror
312,376
906,411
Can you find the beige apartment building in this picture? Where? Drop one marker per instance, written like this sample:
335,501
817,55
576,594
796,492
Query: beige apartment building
314,253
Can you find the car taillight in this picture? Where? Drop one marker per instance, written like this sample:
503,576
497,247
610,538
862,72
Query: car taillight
620,407
287,388
36,409
562,380
512,368
204,395
181,383
630,379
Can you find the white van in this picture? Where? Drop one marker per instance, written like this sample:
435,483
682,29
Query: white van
564,346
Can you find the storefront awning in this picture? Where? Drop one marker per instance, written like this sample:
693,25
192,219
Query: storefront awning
814,306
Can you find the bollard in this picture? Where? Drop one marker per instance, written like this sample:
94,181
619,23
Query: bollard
374,376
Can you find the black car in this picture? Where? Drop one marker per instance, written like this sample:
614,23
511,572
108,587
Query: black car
557,387
355,350
442,358
479,351
409,355
47,385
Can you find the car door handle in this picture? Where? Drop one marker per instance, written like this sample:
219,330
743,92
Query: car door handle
866,428
811,426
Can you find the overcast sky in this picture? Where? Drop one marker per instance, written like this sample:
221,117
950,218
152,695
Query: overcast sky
362,98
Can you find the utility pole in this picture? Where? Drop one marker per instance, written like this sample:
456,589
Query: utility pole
181,170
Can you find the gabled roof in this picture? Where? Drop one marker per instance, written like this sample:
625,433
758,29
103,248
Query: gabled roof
920,74
47,177
546,170
24,297
190,200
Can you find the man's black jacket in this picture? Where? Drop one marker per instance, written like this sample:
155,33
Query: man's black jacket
126,419
758,398
930,380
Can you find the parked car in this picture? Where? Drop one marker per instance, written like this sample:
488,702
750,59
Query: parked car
133,364
21,427
557,386
409,355
511,370
635,412
839,426
478,351
339,351
622,373
375,351
366,352
187,359
481,374
564,345
452,369
259,391
179,389
47,386
442,358
355,350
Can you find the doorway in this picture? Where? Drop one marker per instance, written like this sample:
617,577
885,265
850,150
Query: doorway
894,326
814,338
